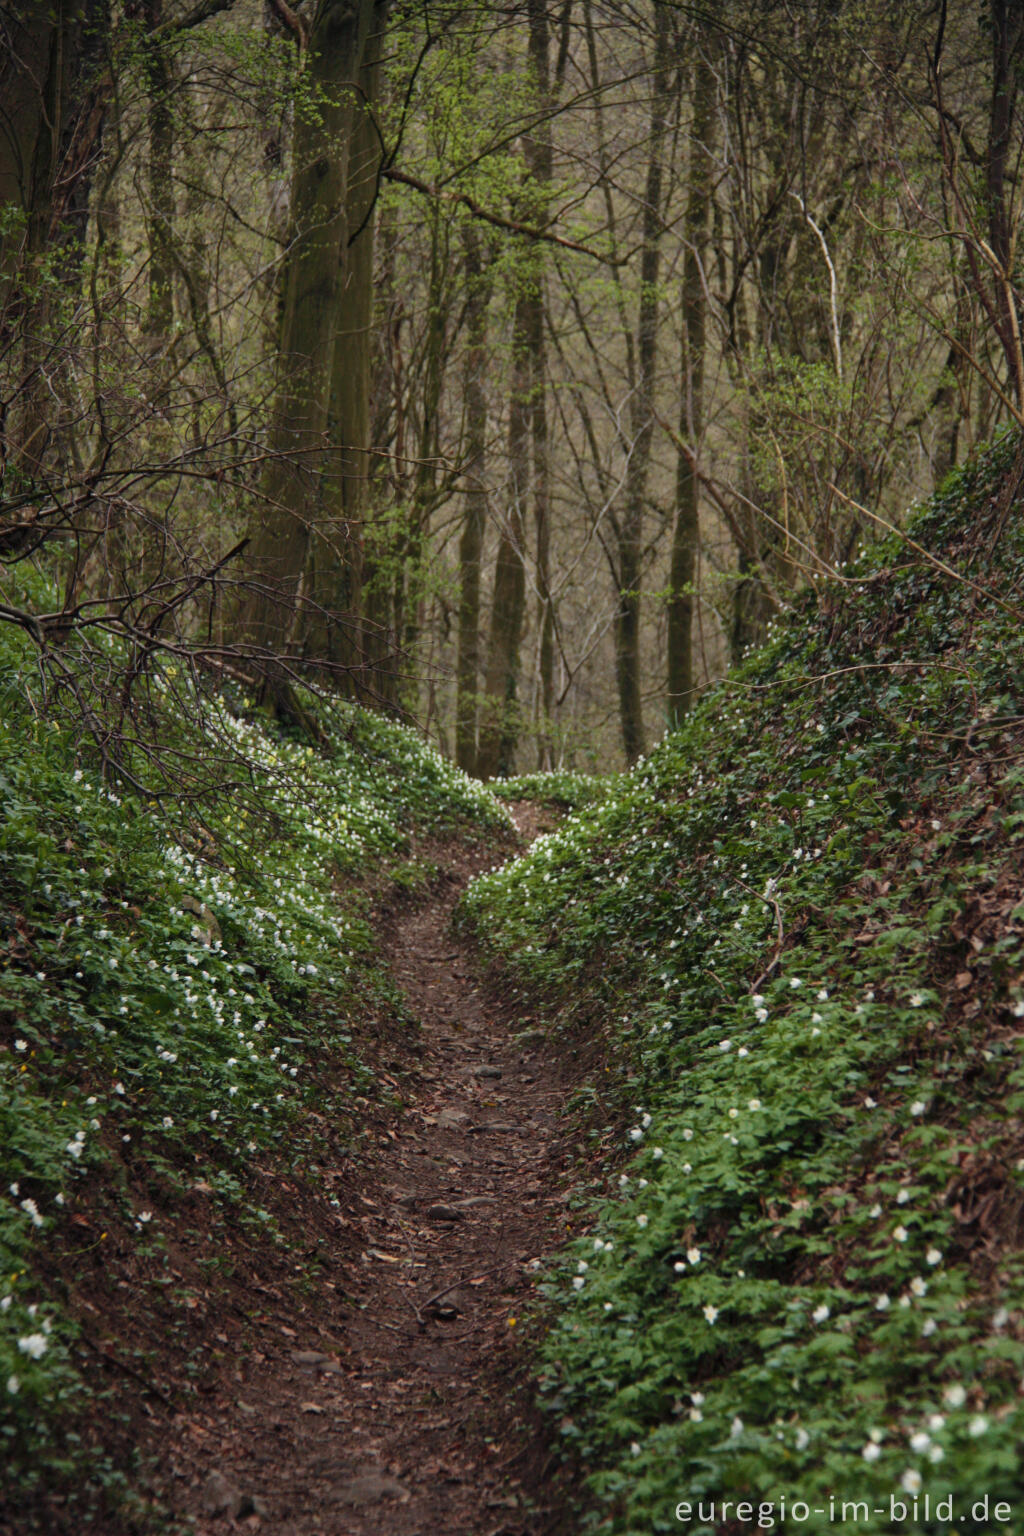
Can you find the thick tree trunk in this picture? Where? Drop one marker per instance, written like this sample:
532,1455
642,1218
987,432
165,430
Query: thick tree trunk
303,475
54,94
685,537
336,555
471,541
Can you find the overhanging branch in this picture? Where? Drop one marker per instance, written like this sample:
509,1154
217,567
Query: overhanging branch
498,220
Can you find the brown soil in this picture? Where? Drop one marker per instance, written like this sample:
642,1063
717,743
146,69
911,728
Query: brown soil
394,1399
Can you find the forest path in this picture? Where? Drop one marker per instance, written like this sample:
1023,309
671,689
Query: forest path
402,1416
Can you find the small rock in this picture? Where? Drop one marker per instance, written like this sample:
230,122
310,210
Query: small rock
444,1311
252,1504
370,1488
450,1118
528,1038
487,1070
447,1119
312,1408
219,1497
309,1357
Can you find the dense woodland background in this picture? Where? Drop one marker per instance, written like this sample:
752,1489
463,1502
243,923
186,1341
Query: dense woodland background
505,365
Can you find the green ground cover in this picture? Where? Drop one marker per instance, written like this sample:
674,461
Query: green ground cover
181,979
799,927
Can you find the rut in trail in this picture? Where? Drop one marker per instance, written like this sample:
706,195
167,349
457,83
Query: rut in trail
410,1422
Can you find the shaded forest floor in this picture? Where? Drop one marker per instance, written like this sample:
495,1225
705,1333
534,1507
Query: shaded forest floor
393,1398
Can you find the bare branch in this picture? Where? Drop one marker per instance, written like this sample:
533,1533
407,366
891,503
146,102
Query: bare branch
498,220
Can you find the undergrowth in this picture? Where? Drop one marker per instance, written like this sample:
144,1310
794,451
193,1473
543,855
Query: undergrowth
800,925
559,787
181,986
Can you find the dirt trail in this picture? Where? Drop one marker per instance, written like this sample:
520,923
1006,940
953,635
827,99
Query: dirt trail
401,1416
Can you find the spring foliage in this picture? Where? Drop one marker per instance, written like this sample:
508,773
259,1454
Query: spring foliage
177,978
800,924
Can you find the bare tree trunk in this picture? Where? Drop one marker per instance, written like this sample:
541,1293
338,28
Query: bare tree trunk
410,584
499,727
528,436
987,235
1007,48
630,541
159,321
471,541
542,519
379,638
686,533
540,159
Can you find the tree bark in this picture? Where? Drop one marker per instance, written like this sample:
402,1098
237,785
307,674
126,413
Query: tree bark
304,471
471,541
499,727
335,581
685,537
540,159
528,463
160,213
1007,17
52,87
411,572
628,665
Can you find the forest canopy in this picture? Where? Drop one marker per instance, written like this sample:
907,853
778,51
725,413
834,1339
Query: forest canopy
505,366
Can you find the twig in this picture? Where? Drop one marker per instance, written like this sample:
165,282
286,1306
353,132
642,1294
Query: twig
940,565
500,221
129,1370
769,901
509,1264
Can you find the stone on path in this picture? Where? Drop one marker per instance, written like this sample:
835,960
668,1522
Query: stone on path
369,1488
220,1497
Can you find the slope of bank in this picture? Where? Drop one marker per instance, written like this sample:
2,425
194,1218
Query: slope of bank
196,1025
796,931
